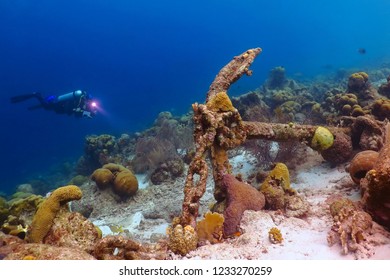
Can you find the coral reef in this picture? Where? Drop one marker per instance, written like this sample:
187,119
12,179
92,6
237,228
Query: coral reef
78,180
277,78
98,150
293,118
125,183
44,217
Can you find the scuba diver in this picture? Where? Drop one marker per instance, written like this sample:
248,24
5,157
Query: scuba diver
77,102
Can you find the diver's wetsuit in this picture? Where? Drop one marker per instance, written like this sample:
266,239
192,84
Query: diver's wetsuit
75,102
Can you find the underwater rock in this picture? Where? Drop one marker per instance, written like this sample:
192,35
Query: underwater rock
72,230
14,248
36,251
117,247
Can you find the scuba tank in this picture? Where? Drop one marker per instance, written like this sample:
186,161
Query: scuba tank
71,95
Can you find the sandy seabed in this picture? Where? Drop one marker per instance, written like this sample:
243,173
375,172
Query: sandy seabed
146,216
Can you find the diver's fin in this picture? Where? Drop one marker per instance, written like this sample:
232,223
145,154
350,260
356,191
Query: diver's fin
20,98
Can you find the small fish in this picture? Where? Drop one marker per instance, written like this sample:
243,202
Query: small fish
362,51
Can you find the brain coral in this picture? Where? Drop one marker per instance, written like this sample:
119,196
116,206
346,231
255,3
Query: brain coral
357,81
381,109
121,179
103,177
125,183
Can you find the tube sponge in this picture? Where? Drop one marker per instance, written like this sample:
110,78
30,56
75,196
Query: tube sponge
43,218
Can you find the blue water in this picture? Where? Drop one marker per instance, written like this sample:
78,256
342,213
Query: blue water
142,57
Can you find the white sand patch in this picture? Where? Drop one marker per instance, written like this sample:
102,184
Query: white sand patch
143,181
243,163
